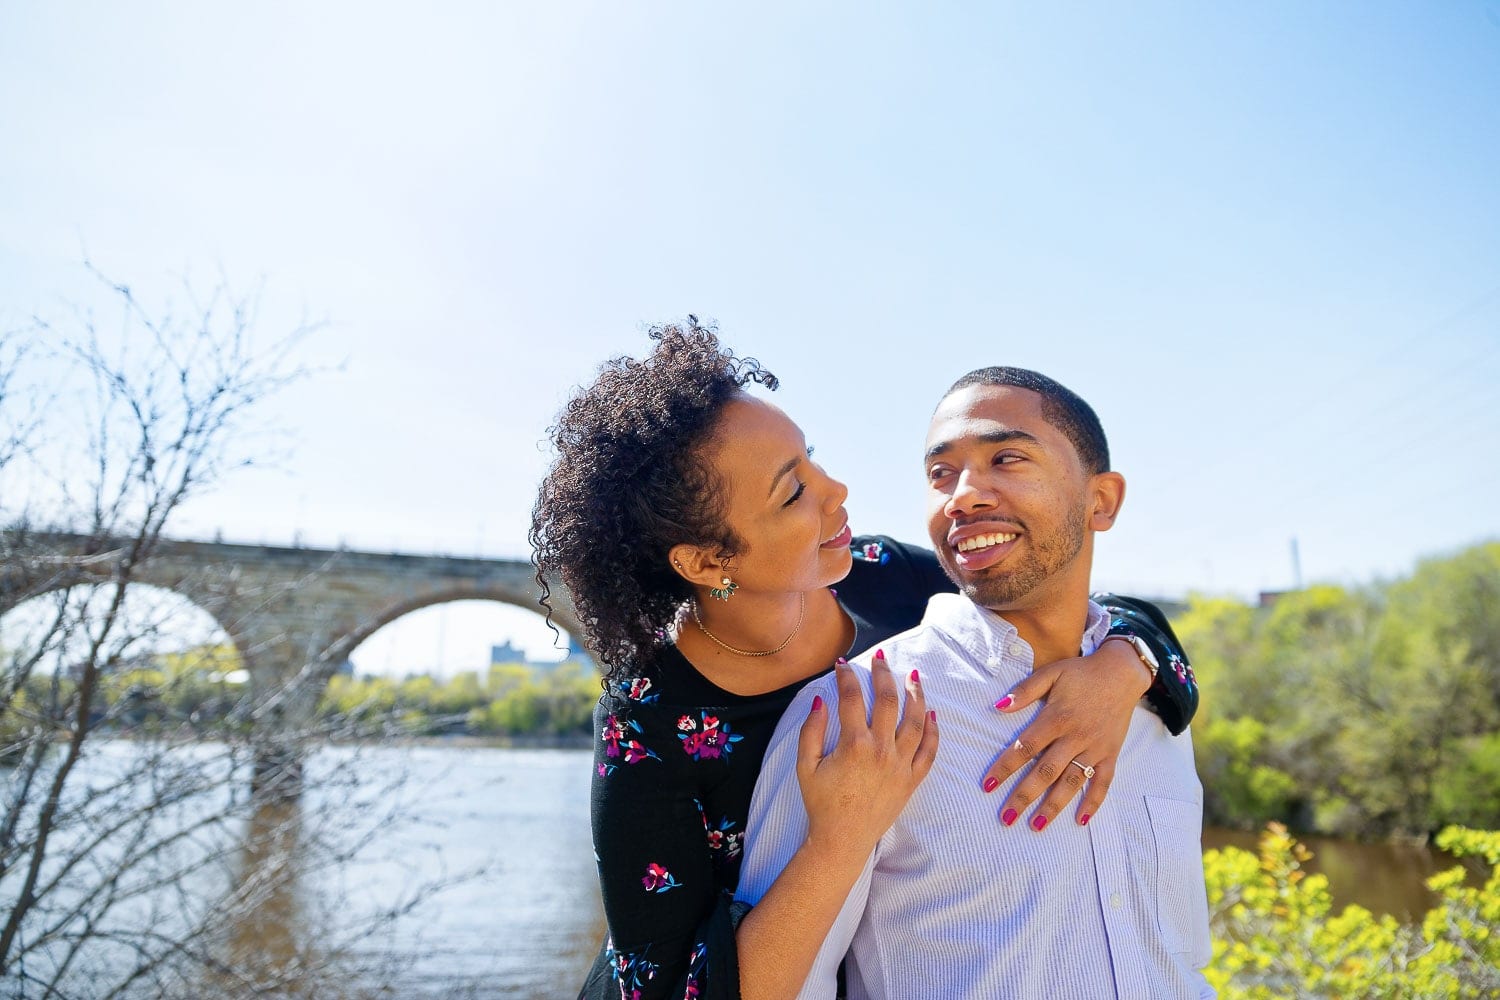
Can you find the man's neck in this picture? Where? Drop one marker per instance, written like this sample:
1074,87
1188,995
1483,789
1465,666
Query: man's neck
1053,626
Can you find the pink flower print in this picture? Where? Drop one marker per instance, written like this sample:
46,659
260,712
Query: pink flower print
615,736
715,839
635,752
692,990
711,743
614,731
638,688
658,879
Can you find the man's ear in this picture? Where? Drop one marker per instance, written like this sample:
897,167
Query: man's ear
1106,493
696,565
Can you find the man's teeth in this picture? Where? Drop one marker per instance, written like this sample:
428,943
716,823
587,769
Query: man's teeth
984,542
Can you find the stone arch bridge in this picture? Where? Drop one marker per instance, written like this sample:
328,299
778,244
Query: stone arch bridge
295,614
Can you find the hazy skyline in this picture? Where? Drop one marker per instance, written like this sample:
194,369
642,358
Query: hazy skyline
1263,241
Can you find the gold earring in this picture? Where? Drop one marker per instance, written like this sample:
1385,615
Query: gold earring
724,591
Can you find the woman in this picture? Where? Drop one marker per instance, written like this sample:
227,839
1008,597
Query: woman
703,572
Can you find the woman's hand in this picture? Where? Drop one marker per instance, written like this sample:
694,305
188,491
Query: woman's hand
854,793
1089,701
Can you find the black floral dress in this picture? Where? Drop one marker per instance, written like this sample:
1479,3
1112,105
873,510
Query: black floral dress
676,762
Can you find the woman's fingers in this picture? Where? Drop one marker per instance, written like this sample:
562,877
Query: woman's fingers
894,730
1032,689
851,703
913,718
886,710
1074,773
857,789
810,739
1049,770
1072,744
1098,788
1029,744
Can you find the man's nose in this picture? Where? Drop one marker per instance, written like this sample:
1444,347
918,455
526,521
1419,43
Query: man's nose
970,494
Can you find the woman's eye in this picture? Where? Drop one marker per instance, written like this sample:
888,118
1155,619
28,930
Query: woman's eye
801,488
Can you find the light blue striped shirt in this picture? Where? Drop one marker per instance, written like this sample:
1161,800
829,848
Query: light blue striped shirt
954,904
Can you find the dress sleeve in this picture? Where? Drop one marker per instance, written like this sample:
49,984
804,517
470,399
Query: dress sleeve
925,572
1174,693
670,934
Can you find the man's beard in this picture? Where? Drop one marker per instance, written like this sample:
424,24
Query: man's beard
1043,558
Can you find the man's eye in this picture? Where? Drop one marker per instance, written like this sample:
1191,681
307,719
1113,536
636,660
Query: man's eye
937,472
1007,458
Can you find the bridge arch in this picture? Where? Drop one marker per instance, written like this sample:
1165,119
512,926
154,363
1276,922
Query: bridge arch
344,647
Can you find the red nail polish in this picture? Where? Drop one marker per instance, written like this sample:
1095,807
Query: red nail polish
841,662
1039,822
914,677
991,783
1003,703
817,702
879,654
1083,820
1008,817
931,715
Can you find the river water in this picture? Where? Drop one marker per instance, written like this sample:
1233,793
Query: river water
508,830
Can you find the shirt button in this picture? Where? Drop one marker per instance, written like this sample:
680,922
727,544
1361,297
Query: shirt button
1115,901
1016,647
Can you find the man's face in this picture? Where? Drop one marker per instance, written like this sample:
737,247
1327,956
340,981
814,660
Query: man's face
1009,503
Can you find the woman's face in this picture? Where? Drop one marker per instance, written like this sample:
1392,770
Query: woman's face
786,510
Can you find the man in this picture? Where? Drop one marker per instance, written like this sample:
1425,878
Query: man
955,901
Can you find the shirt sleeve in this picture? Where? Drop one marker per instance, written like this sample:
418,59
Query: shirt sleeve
778,826
669,929
1174,693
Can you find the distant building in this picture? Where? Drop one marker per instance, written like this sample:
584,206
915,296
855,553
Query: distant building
508,653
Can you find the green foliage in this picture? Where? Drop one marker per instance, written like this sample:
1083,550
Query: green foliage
1354,712
513,700
1276,935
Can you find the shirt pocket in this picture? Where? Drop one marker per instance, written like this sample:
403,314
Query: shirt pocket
1181,899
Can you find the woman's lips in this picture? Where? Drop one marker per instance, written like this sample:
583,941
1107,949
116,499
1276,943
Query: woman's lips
841,540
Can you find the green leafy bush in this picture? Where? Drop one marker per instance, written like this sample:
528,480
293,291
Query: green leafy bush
1276,935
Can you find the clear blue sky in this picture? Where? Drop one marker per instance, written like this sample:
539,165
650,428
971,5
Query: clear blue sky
1263,240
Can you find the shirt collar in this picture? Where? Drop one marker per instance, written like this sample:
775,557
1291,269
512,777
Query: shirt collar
990,639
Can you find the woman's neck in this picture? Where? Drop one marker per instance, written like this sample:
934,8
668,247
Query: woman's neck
825,634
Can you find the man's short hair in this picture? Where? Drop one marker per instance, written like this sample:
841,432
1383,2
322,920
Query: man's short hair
1063,407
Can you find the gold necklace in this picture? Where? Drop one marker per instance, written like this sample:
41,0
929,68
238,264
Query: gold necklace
801,614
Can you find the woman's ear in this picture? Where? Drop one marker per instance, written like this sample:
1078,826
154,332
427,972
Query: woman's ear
695,565
1108,492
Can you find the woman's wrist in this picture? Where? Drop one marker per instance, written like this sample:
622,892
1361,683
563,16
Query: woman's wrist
1128,652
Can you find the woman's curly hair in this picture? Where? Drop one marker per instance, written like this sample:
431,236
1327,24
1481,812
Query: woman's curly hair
629,482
